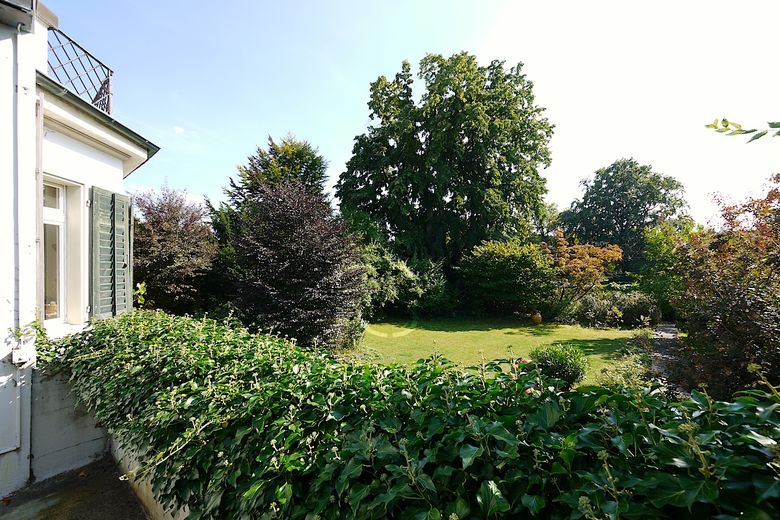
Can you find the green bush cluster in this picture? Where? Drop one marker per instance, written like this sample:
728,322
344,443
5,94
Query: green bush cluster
564,362
235,425
508,277
615,308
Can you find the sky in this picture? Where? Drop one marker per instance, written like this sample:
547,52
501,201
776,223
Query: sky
209,81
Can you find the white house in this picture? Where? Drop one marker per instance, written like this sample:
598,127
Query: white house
65,229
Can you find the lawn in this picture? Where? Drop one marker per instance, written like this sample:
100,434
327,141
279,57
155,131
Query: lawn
468,341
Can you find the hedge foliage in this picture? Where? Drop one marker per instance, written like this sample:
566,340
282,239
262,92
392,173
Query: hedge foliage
235,425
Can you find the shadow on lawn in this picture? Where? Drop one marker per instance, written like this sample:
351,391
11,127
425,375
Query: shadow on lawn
476,324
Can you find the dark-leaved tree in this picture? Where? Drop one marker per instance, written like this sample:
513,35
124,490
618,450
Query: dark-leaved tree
294,268
458,167
173,249
619,203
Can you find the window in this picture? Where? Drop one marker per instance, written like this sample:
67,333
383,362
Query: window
53,251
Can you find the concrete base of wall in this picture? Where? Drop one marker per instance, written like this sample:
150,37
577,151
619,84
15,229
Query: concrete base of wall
63,436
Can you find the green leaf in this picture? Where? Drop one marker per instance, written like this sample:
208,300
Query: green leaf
468,453
497,431
490,499
534,503
774,124
759,135
352,470
284,493
426,482
253,489
549,414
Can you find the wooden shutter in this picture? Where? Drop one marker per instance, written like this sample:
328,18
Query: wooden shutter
112,291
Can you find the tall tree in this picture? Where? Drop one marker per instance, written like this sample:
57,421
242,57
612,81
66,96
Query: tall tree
619,203
296,269
285,160
173,249
458,167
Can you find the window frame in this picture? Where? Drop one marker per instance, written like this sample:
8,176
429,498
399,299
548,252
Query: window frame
57,217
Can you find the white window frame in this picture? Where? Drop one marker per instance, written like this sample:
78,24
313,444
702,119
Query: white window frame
57,217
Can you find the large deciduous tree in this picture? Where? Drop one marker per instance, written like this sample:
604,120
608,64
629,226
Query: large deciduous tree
619,203
173,249
459,166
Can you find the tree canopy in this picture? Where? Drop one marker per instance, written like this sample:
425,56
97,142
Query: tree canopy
619,203
173,248
460,166
285,160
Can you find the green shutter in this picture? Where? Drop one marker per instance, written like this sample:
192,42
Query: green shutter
111,254
123,292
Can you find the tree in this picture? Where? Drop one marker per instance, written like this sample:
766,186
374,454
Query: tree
173,249
579,268
458,167
619,203
731,298
659,274
288,159
294,268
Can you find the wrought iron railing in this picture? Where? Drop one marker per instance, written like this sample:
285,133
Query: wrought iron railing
79,71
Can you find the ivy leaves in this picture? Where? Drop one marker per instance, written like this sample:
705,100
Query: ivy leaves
235,426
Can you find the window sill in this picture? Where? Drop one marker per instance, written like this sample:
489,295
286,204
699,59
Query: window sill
57,329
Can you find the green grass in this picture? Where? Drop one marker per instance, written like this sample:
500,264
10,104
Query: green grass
469,341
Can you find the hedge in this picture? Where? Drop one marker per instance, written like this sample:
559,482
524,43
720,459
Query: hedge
240,426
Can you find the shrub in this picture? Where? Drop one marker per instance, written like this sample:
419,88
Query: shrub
565,362
173,249
430,294
388,279
293,268
508,277
235,425
731,302
615,308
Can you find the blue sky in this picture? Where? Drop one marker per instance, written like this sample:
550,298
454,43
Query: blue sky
208,81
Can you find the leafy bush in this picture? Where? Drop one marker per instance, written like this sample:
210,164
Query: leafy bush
731,302
235,425
615,308
430,293
508,277
173,249
293,267
388,279
565,362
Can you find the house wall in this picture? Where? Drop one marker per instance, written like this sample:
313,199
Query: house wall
78,440
20,53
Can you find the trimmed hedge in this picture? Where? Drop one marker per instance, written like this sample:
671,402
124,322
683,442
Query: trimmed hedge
236,426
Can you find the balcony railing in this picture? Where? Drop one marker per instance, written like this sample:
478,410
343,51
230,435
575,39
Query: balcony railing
79,71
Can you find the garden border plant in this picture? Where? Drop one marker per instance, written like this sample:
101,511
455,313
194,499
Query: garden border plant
235,425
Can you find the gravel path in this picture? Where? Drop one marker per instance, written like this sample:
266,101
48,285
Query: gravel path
666,342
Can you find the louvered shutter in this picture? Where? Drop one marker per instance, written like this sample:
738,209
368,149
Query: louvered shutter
112,292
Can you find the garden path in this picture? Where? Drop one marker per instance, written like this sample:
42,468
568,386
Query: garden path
665,362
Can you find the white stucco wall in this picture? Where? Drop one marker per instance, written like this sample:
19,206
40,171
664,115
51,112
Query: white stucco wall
20,53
